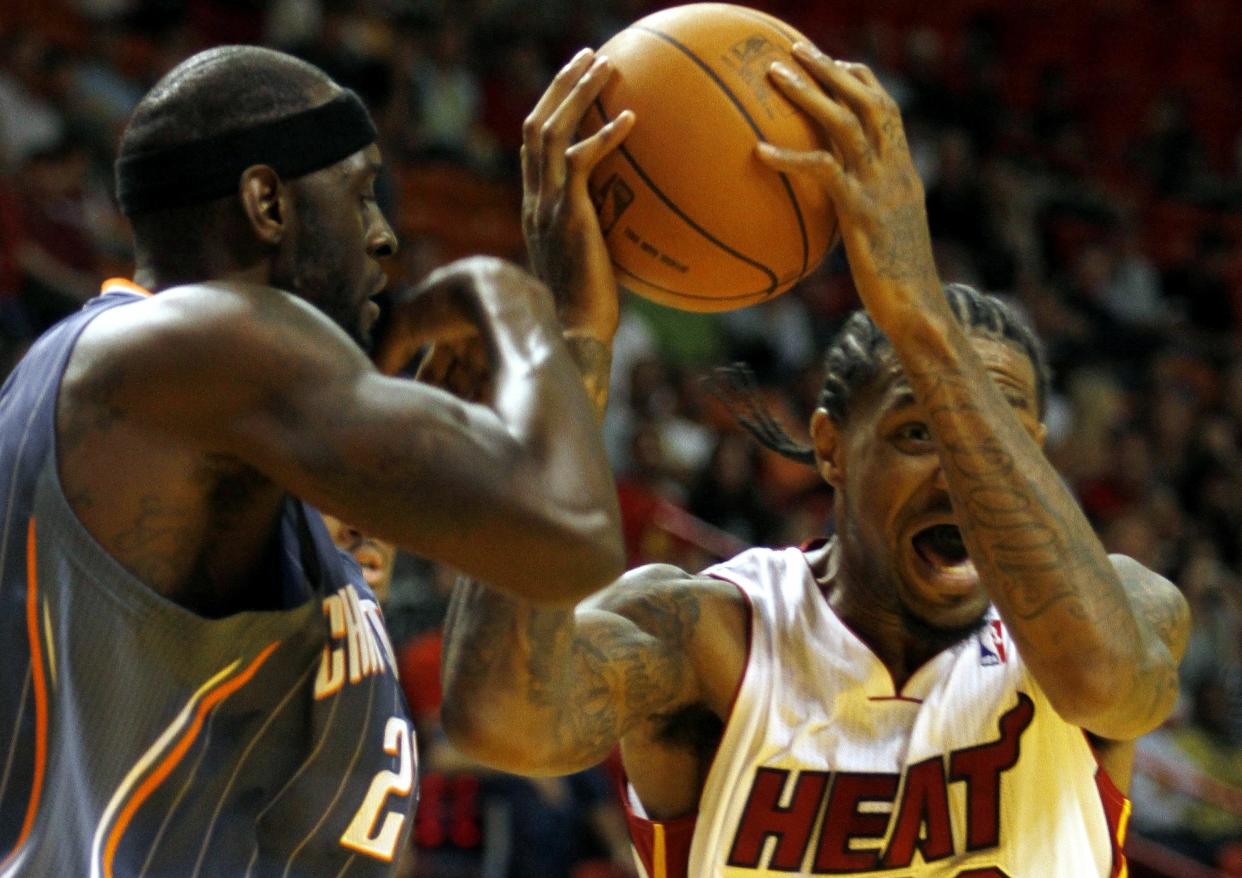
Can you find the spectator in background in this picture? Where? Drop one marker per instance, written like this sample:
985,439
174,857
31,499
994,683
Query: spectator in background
727,492
513,83
57,254
446,99
1170,152
1132,293
29,121
1191,784
376,557
1202,287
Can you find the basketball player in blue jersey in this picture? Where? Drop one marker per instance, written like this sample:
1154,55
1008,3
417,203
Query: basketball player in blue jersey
949,686
196,683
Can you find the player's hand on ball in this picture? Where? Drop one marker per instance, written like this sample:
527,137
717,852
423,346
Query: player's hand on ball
558,219
871,179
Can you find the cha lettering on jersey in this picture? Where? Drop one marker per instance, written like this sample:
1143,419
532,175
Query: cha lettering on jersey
872,821
358,646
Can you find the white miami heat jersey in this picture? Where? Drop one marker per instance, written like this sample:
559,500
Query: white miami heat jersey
824,768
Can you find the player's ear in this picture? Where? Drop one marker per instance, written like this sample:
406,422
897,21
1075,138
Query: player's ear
263,198
1041,435
827,440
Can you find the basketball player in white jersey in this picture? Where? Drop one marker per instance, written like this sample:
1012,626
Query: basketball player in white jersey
950,686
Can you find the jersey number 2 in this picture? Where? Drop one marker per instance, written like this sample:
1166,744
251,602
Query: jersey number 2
360,835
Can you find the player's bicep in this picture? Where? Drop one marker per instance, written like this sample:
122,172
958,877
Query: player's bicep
653,627
213,368
266,379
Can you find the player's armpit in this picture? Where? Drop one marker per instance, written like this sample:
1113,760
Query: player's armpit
550,691
1145,698
262,377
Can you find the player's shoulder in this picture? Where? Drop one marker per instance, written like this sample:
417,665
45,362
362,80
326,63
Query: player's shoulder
213,308
654,589
187,329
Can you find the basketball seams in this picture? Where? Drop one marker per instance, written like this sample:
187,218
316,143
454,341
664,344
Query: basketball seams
734,300
754,126
684,217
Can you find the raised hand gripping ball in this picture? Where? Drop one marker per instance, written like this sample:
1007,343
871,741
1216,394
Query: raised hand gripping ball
691,217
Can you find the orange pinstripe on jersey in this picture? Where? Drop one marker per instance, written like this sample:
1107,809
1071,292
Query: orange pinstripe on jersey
221,692
121,284
40,691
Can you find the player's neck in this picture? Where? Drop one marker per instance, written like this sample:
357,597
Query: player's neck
868,608
156,278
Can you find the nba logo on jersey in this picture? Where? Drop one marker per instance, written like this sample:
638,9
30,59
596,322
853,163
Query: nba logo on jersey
992,643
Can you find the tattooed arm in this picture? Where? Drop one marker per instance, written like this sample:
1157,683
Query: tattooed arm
550,691
1101,637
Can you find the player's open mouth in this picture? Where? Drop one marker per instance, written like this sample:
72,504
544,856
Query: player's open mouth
940,547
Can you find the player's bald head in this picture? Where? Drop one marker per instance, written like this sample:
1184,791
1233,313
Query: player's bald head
220,90
192,136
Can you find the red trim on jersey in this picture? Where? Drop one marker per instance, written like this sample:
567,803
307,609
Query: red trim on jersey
1117,807
750,637
123,285
663,846
40,692
1117,816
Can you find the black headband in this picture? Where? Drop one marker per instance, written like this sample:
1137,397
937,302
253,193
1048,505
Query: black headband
210,168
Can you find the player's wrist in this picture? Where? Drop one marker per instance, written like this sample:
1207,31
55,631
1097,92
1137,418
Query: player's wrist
596,320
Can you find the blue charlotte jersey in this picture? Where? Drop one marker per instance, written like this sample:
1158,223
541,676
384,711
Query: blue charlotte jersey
138,738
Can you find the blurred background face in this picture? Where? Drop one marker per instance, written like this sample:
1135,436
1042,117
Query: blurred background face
375,556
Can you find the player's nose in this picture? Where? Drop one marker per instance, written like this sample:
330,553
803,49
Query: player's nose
382,241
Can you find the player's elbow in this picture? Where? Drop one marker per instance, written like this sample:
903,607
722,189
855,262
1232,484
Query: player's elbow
580,557
1081,698
600,562
465,729
499,738
1122,704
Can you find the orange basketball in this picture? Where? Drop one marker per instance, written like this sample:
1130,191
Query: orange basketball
691,217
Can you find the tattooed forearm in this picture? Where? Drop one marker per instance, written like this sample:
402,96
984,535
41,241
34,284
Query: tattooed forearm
1032,543
902,248
1081,626
568,684
594,360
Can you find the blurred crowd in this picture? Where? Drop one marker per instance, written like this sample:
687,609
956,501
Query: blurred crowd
1082,158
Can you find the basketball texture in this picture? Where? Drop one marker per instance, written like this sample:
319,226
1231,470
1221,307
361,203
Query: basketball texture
691,217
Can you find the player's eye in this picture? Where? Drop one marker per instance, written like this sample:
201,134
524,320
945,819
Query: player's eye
912,436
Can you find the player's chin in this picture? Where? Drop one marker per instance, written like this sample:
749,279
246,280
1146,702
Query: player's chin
944,596
361,333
